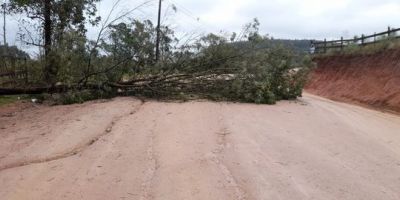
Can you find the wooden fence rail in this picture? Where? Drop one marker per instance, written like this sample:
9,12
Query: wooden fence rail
13,70
338,45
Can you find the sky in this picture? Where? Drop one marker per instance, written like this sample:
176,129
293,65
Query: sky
288,19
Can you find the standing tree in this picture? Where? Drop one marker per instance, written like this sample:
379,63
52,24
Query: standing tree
56,17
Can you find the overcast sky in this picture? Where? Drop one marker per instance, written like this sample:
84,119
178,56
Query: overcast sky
293,19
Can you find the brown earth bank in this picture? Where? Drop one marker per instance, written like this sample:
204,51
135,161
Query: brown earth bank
372,80
124,148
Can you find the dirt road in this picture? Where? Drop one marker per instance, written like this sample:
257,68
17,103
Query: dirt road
125,149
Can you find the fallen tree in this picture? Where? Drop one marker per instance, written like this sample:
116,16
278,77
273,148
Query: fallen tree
212,67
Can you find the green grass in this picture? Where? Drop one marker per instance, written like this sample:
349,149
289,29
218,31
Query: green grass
4,100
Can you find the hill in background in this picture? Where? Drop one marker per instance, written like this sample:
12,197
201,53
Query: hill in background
302,46
298,46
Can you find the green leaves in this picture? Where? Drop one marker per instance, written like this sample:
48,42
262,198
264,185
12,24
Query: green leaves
243,67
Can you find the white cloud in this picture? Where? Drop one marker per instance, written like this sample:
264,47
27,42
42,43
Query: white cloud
279,18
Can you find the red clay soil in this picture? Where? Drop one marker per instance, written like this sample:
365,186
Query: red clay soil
371,80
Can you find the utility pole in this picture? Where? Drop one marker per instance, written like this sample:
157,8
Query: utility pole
4,24
158,33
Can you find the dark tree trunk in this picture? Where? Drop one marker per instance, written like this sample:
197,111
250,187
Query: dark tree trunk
16,91
49,71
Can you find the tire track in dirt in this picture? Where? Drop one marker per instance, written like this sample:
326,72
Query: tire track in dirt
151,168
217,159
76,150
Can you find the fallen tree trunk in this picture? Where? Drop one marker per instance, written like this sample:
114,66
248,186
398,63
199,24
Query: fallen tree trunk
46,89
166,83
34,90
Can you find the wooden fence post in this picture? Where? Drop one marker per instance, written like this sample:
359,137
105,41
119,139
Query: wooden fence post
362,39
26,72
365,40
13,67
341,43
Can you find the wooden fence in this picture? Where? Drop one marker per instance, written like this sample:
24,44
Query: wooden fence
338,45
13,70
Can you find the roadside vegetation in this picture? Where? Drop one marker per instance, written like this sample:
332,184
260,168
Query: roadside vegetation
121,60
4,100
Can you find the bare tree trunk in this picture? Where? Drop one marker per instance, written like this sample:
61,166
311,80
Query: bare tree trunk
4,24
48,32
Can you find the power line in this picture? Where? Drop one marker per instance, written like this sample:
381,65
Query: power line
186,11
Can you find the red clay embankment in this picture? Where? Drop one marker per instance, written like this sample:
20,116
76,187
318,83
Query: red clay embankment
372,80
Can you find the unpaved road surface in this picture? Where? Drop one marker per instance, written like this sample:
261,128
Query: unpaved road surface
126,149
